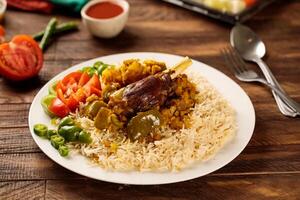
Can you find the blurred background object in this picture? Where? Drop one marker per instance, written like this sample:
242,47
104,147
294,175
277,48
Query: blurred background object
47,6
230,11
3,5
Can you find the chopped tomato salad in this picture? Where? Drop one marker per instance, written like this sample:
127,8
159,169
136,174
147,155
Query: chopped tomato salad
76,87
72,90
66,94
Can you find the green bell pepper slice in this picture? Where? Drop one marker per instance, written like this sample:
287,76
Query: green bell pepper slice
66,121
84,137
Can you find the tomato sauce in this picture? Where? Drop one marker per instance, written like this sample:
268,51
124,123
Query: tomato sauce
104,10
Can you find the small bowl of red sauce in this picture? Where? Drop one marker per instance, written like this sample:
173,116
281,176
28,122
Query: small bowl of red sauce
105,18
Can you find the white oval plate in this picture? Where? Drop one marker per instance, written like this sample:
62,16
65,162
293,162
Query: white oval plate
227,87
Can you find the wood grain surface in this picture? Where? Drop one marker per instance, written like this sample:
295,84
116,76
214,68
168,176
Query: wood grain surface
269,167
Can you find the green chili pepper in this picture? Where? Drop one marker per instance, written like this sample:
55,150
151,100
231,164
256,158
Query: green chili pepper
40,130
56,141
66,121
98,64
52,88
84,137
48,33
55,121
92,71
63,27
85,69
102,68
97,68
70,133
46,101
63,150
89,70
50,133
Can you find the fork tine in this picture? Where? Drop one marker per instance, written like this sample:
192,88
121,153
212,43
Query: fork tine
232,61
228,61
241,63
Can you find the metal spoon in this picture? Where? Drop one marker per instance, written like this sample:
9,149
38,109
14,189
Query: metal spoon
252,48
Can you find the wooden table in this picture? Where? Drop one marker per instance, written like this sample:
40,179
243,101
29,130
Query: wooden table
269,167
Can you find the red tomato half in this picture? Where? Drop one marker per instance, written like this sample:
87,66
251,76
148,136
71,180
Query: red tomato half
21,58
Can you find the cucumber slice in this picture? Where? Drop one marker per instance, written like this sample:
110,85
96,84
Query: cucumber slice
46,101
52,88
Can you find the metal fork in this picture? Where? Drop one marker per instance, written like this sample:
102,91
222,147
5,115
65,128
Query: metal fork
237,65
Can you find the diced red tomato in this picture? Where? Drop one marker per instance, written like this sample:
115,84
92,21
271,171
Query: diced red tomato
73,76
58,108
76,87
93,82
61,86
70,101
83,79
80,95
92,90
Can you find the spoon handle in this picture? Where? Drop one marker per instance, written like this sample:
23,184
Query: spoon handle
293,108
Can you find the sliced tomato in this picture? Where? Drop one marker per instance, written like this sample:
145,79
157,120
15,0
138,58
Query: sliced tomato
76,87
58,108
92,86
21,58
80,95
70,101
61,86
73,76
92,90
93,82
83,79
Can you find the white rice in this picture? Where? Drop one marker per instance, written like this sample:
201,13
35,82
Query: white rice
213,124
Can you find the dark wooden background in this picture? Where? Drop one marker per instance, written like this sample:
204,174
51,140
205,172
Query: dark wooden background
269,167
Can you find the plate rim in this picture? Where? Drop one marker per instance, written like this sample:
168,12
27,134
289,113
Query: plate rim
73,67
